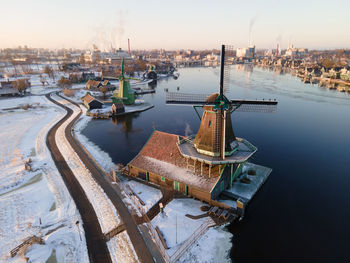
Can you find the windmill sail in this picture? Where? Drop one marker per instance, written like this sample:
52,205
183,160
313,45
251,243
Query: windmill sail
228,59
186,98
215,136
267,106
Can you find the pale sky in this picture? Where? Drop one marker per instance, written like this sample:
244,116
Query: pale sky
179,24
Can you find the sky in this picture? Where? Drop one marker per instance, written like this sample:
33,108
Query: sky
173,25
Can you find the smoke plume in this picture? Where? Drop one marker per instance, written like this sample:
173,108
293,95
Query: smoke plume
251,25
188,130
119,28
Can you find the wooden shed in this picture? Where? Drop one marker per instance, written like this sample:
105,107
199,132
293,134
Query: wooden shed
118,108
90,102
93,84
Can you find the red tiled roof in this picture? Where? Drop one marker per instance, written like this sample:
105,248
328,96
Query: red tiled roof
163,147
93,83
87,98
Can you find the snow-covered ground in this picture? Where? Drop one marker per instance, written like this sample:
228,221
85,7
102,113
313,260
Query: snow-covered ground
34,202
176,227
173,218
214,246
121,249
149,195
37,88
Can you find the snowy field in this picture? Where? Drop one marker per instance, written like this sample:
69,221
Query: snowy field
34,202
214,246
174,217
149,195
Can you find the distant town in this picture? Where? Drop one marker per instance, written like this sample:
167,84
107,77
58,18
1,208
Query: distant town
327,68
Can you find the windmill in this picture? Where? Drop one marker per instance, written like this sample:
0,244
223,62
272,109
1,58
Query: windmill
125,94
215,136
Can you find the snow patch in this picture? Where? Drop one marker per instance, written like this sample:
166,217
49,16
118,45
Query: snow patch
121,249
175,225
149,195
213,246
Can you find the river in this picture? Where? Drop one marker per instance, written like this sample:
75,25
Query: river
301,213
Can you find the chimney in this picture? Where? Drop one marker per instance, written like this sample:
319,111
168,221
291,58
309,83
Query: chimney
128,45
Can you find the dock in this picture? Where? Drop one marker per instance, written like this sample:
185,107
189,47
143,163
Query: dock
142,92
246,191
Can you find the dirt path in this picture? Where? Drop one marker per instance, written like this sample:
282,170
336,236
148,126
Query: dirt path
96,245
113,192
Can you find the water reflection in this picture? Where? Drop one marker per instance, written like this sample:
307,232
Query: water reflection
152,84
125,122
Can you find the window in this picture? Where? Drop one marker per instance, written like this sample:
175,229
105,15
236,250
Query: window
163,179
209,123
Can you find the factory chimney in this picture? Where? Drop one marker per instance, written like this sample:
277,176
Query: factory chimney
128,45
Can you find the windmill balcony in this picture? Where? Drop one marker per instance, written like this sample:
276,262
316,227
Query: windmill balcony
240,154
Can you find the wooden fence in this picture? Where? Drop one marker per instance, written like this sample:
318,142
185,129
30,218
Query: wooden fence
184,246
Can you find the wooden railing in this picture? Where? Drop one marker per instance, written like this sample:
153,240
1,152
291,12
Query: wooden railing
26,242
148,223
155,235
186,245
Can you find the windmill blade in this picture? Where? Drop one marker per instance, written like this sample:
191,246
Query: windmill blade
264,106
228,59
186,98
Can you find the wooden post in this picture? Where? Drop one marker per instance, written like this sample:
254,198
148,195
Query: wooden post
231,181
201,168
187,162
209,169
194,166
114,174
219,169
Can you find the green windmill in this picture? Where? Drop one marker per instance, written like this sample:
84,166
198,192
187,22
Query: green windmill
125,94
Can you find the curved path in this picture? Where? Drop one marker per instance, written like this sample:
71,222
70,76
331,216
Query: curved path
113,193
96,245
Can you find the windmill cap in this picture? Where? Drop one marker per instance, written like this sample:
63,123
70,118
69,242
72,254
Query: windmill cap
212,97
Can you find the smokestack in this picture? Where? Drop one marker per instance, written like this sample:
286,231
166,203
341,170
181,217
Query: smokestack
128,45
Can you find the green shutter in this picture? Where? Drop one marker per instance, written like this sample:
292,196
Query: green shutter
163,179
176,186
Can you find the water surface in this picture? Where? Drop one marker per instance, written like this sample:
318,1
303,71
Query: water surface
301,213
